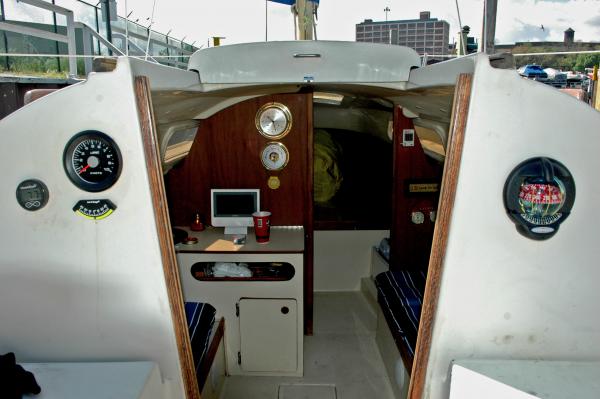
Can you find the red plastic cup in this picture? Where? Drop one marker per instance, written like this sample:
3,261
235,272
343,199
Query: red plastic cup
262,226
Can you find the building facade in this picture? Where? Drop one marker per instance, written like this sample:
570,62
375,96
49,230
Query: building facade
425,35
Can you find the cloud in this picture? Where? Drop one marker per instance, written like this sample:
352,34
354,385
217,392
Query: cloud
595,21
528,32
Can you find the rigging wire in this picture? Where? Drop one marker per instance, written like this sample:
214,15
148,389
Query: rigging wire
189,55
126,30
150,30
90,56
462,39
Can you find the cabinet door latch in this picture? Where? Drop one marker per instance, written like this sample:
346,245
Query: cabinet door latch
239,357
237,309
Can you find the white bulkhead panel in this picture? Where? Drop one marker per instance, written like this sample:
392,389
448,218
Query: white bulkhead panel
74,289
268,335
505,296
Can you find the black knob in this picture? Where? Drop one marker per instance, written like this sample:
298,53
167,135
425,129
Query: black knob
285,310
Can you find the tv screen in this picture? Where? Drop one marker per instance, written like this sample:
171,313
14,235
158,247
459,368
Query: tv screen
233,208
234,204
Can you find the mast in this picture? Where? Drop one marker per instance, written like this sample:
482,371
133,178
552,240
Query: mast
490,8
305,11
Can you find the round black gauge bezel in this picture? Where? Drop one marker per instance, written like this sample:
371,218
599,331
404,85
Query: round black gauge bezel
28,205
85,185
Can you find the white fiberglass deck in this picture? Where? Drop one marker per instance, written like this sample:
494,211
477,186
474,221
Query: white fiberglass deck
341,359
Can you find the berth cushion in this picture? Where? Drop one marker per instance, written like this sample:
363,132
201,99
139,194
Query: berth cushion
200,321
400,296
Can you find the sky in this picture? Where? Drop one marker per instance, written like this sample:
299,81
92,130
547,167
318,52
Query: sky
241,21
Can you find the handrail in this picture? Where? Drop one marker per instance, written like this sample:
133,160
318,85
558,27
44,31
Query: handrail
99,37
71,43
88,43
141,50
142,37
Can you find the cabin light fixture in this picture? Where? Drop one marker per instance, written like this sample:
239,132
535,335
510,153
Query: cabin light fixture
328,98
538,196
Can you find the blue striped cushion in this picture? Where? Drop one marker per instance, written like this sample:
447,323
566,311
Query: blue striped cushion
400,295
200,320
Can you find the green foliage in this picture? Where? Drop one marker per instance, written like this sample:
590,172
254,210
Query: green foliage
564,62
586,61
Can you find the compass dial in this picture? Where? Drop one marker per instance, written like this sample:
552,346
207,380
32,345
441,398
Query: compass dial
92,161
273,120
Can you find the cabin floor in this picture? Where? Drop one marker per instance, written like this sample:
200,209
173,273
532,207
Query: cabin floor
341,359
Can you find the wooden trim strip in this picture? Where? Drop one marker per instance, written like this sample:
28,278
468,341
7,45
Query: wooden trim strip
165,238
211,353
440,236
309,223
407,358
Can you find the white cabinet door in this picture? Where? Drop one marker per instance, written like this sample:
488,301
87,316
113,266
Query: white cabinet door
268,335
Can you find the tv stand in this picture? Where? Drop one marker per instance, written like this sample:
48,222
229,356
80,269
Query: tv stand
236,230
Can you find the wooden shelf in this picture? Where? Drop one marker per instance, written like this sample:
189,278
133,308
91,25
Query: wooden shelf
282,240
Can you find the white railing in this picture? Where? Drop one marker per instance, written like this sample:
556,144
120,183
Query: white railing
177,54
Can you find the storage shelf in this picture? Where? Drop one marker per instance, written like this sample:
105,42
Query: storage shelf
261,271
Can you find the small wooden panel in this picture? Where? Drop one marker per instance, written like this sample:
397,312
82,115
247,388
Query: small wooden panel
13,94
405,355
211,353
165,238
226,154
410,243
440,236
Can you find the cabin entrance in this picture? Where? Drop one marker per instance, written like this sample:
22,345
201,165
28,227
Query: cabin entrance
356,198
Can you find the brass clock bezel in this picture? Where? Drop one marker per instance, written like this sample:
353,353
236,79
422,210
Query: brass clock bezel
288,118
285,150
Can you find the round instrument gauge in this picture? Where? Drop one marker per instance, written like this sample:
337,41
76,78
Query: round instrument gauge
92,161
273,120
275,156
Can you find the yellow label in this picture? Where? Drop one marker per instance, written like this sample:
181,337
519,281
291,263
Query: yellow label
100,217
423,188
274,182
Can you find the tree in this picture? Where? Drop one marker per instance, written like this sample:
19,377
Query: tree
586,61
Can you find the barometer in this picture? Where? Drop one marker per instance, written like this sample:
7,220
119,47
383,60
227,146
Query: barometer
273,120
275,156
92,161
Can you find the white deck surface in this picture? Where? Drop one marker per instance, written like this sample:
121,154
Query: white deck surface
341,353
104,380
542,379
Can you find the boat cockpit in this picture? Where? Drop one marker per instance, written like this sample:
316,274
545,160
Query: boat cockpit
375,246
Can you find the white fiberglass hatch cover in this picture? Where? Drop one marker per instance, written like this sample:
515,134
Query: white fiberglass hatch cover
304,61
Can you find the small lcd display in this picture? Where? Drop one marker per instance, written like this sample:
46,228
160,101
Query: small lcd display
232,204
